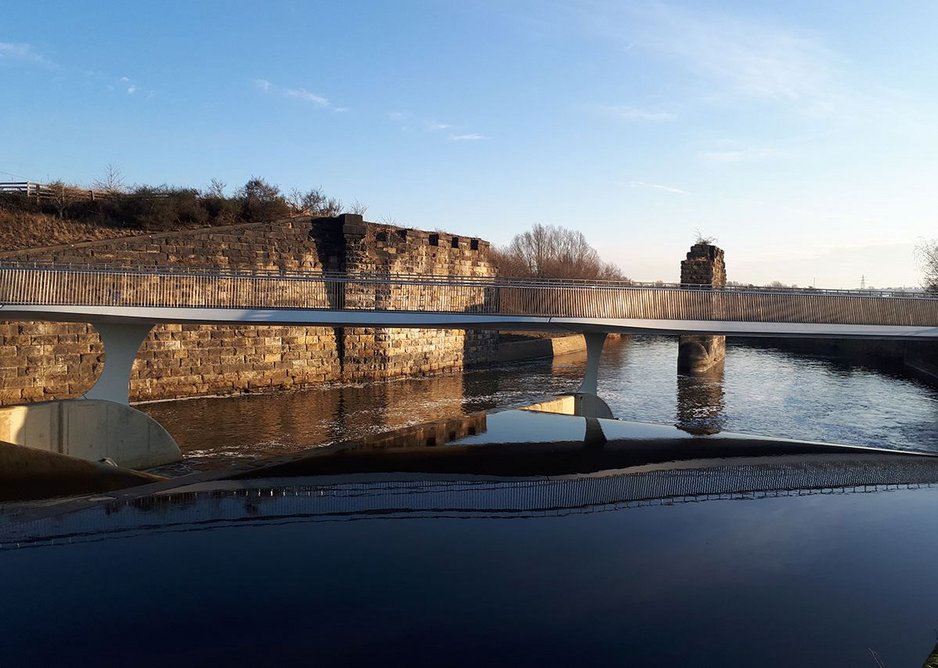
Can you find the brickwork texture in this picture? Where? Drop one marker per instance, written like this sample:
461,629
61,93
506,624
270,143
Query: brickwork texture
43,361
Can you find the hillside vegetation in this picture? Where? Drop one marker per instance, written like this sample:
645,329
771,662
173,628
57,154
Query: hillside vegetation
68,214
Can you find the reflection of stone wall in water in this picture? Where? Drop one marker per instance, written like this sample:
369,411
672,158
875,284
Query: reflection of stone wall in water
704,266
266,425
42,361
700,402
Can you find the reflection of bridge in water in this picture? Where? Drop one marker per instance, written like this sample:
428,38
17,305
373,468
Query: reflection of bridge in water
123,304
316,499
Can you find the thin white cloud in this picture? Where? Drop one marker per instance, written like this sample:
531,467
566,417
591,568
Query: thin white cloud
297,94
471,136
731,152
724,156
129,86
629,113
731,57
746,57
306,96
410,123
22,52
657,186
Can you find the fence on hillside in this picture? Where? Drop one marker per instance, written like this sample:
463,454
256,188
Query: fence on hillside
51,192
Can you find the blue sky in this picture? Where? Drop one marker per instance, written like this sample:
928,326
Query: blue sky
800,134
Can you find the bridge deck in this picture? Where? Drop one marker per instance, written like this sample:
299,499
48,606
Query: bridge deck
98,294
403,319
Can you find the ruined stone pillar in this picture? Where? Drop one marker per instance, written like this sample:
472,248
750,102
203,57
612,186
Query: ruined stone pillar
703,268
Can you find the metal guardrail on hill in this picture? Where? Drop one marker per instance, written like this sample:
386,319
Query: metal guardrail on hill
43,191
135,287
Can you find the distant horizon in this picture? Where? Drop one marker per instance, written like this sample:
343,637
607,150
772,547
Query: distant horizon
798,135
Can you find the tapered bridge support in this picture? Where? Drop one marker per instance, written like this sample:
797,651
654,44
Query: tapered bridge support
588,404
121,343
594,348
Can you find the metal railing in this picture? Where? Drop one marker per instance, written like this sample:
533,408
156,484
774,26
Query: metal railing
58,285
42,191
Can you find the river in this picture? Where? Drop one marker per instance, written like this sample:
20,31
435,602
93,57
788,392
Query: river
695,556
760,391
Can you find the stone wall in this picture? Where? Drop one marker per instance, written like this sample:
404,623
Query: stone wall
42,361
703,266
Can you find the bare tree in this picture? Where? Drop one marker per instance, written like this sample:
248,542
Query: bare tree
61,196
927,253
295,200
547,251
216,188
112,182
358,208
313,202
261,200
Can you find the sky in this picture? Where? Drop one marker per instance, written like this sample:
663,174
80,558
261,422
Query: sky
800,135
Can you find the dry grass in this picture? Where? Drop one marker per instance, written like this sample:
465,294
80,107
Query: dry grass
21,230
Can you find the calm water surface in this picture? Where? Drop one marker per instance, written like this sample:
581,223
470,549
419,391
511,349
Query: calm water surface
767,392
804,560
822,579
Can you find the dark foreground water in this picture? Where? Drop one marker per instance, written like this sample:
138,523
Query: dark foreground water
513,538
767,392
616,569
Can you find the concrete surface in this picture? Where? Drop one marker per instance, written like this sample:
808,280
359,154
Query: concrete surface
90,429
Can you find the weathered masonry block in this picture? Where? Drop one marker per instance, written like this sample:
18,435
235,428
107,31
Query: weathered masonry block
704,267
43,361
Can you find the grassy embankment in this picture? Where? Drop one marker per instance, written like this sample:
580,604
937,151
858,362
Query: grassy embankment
64,214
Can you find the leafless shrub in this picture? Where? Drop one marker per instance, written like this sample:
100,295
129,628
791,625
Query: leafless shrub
358,208
548,251
701,238
927,253
61,195
313,202
215,188
112,182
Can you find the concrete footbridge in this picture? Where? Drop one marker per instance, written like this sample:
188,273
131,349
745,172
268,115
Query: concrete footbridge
124,303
